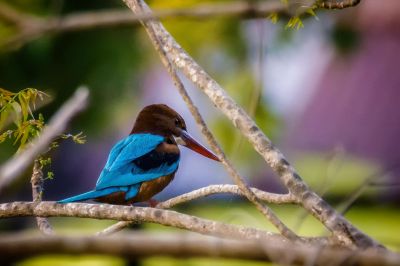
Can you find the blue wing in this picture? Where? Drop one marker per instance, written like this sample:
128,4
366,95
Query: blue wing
130,148
121,173
120,169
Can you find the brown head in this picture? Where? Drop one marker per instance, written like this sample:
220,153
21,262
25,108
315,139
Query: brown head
162,120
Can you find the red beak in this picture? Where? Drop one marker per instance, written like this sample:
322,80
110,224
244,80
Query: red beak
192,144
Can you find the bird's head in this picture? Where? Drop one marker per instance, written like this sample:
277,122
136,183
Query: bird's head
162,120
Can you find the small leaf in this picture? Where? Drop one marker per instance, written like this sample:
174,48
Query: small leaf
4,117
17,112
79,138
4,135
18,134
50,175
24,104
295,22
273,17
25,137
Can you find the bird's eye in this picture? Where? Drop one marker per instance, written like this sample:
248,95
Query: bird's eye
177,122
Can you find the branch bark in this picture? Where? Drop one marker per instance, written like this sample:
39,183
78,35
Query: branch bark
33,27
237,178
135,214
203,192
342,229
142,245
337,4
37,190
233,189
57,124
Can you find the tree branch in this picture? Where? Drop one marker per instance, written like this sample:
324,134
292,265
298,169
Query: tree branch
135,214
142,245
203,192
238,179
342,229
33,27
57,124
337,4
37,190
233,189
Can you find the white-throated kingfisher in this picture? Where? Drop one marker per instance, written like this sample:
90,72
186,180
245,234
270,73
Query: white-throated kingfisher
144,163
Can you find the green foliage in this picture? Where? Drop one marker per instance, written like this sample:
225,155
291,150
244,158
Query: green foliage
295,22
274,17
16,108
45,159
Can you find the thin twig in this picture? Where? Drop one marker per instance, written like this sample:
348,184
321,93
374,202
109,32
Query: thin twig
57,124
37,190
33,27
342,229
345,206
203,192
337,4
14,247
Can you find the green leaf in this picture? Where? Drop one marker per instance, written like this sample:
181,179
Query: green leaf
17,111
295,23
4,117
24,104
50,175
273,17
24,138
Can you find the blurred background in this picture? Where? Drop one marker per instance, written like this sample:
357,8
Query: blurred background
326,94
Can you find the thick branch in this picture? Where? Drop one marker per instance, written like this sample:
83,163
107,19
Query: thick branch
343,230
37,190
238,179
58,123
203,192
142,245
136,214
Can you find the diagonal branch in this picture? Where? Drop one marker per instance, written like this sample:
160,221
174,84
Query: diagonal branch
342,229
267,212
14,167
203,192
15,247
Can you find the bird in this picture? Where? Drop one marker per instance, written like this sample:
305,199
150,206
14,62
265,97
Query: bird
145,162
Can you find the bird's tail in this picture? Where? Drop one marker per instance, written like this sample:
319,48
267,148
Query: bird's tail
86,196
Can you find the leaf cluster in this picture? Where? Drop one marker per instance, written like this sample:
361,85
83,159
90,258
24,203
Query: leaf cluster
295,21
16,108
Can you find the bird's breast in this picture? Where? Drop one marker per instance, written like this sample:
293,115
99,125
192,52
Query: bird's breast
150,188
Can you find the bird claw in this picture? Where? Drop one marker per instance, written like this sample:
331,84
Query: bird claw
153,203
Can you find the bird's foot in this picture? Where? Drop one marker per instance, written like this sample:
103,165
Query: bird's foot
153,203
